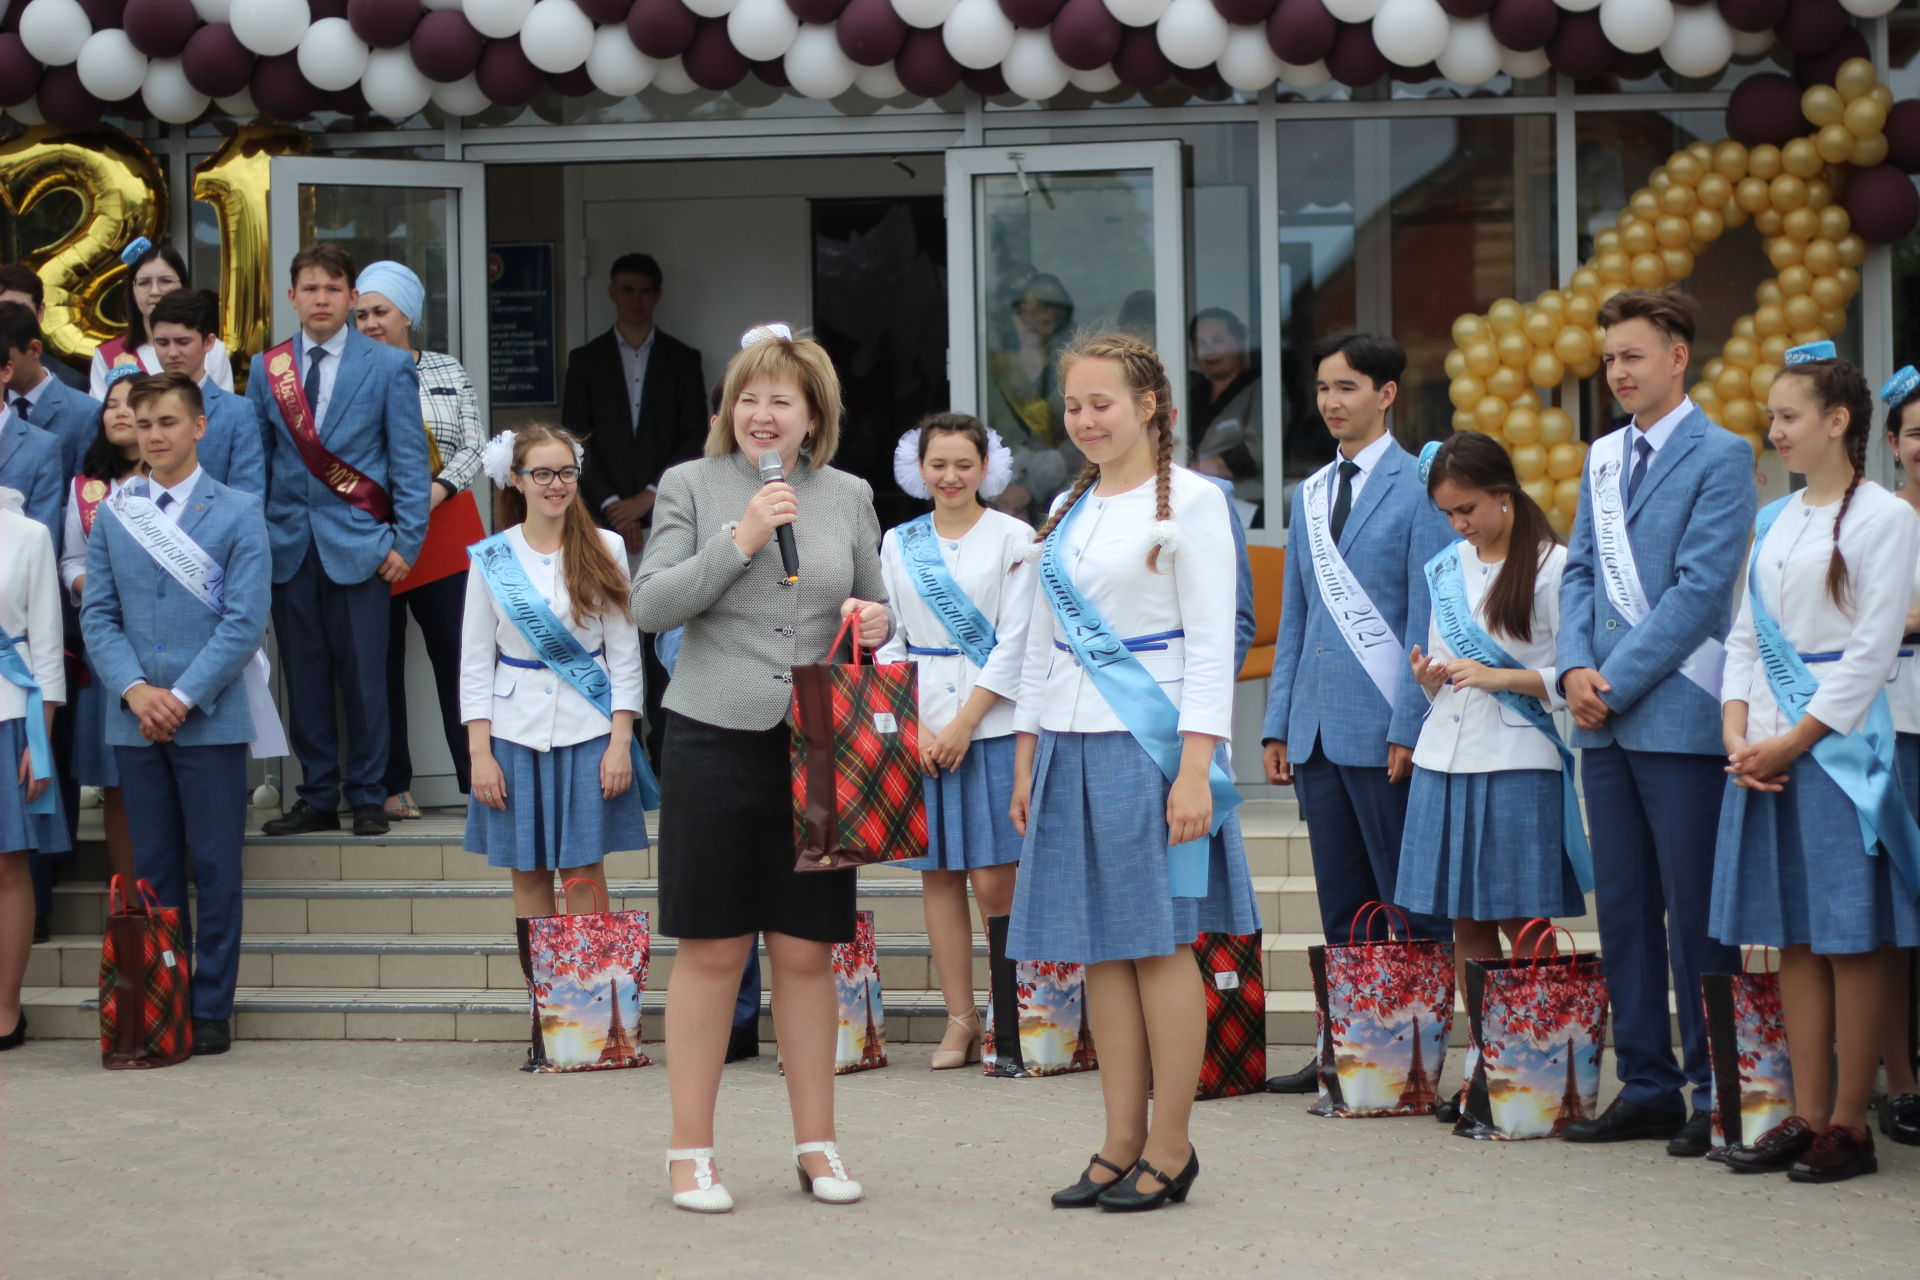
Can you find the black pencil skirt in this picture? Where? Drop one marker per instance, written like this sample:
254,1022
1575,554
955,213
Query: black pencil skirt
726,840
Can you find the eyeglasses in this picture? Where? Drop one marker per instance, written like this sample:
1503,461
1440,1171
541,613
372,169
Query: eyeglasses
547,475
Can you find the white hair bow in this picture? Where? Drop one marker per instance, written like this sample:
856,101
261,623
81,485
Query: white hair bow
765,333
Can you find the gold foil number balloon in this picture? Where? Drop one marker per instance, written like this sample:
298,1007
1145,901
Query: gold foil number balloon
234,181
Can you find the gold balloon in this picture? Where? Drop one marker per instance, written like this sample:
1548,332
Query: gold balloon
1711,369
1615,269
1466,392
1506,315
1545,369
1585,284
1582,310
1678,263
1514,349
1556,426
1868,152
1714,190
1648,271
1835,142
1566,493
1530,461
1882,94
1853,250
1685,169
1481,358
1834,222
1822,105
1644,204
1735,216
1469,329
1833,321
1788,192
1672,231
1522,427
1552,303
1865,118
1679,199
1743,327
1768,291
1508,383
1730,160
1848,277
1540,489
1819,193
1540,327
1527,399
1801,337
1769,222
1455,364
1801,224
1490,413
1702,150
1752,194
1573,344
120,195
1794,282
1761,378
1561,520
1765,162
1709,402
1706,225
234,181
1828,293
1739,416
1565,460
1769,320
1732,383
1773,350
1660,179
1743,353
1637,237
1784,251
1607,241
1463,420
1800,158
1854,79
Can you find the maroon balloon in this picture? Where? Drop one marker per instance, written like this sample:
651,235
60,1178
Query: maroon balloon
1753,15
1086,35
818,12
711,61
661,28
1300,32
1903,134
104,13
1415,75
1638,64
384,24
1881,201
1207,77
19,71
316,10
505,75
1467,8
1140,63
1030,15
1820,68
279,90
160,28
350,101
1525,25
571,84
445,46
1579,48
215,61
1765,108
985,81
1811,26
1355,60
870,32
65,102
1245,13
924,65
605,12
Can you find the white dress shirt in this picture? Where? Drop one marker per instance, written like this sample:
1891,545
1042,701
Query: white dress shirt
1470,730
633,361
1193,591
533,706
30,607
181,493
32,397
986,563
1878,540
73,538
1662,430
335,347
1367,459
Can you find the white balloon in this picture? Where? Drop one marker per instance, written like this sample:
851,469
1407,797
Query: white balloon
1310,75
1033,70
110,67
1636,26
762,30
394,87
270,27
1192,34
1098,80
1248,63
1353,10
923,13
238,105
331,56
671,77
1578,6
1701,43
1138,13
556,36
1471,55
55,30
1869,8
213,10
168,93
977,34
1751,44
1411,33
497,18
466,98
1534,62
615,66
818,67
711,8
27,112
880,83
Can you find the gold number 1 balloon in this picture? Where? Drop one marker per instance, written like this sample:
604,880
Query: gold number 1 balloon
234,181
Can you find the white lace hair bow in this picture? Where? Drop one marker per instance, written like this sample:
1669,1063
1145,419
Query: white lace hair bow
906,466
496,459
765,333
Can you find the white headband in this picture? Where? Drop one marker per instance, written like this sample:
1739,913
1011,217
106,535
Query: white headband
906,466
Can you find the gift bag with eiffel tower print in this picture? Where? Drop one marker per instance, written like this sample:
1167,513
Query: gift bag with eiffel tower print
861,1044
1036,1014
1384,1010
586,972
1537,1025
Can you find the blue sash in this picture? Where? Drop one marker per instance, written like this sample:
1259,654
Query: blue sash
1860,763
558,648
1137,698
14,670
1453,617
969,629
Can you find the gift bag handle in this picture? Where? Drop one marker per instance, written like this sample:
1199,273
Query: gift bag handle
1766,959
1520,939
566,893
847,632
1547,935
1364,927
117,902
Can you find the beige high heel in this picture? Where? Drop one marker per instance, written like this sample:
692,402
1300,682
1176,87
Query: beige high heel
954,1059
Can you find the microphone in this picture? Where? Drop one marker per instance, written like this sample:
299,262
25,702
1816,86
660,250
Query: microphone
770,471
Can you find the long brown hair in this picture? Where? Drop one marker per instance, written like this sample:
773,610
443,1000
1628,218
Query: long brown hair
1835,384
595,584
1145,376
1475,461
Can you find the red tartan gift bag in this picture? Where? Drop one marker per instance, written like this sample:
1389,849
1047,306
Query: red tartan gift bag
144,988
857,797
1236,1061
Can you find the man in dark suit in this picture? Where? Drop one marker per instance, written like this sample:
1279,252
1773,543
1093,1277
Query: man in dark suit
638,399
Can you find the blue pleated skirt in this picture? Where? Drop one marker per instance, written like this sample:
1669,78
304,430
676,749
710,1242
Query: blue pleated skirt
967,822
1094,884
555,816
1789,870
1486,846
40,832
94,764
1906,762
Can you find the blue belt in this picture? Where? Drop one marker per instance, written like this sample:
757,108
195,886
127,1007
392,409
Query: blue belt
1836,655
933,653
1138,644
534,664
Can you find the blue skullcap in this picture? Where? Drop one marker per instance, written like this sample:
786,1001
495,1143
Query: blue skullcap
120,373
1428,452
1899,389
397,285
1811,351
131,254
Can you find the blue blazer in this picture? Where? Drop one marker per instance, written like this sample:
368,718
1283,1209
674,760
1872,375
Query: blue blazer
1318,689
1689,523
141,625
30,462
374,424
231,451
1244,624
73,418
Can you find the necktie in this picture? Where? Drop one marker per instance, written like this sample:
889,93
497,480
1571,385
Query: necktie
21,405
1343,500
166,500
1642,451
314,356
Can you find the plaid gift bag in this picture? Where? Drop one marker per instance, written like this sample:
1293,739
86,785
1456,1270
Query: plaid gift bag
857,796
1747,1050
1384,1011
144,987
1537,1026
1036,1014
585,974
1236,1061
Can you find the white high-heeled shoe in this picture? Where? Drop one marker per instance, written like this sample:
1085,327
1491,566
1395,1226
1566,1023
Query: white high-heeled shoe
708,1195
833,1188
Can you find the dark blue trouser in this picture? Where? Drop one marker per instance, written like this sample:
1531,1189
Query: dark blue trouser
1652,817
160,784
1354,822
746,1006
333,636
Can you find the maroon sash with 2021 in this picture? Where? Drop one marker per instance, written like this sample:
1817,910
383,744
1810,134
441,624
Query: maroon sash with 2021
342,478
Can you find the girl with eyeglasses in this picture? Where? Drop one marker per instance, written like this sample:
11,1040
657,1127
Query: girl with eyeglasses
154,272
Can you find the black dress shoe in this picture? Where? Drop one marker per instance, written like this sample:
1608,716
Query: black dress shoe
371,820
1305,1080
18,1036
300,820
1125,1196
1900,1118
1624,1122
211,1036
1695,1138
743,1043
1085,1193
1774,1151
1835,1156
42,928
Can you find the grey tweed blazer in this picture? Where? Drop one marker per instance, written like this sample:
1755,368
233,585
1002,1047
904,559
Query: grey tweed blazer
746,628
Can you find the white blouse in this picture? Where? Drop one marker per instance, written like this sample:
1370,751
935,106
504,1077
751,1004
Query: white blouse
986,563
73,538
1192,591
1470,730
30,608
533,706
1878,540
219,367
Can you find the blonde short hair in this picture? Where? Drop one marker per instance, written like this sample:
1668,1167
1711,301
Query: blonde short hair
807,363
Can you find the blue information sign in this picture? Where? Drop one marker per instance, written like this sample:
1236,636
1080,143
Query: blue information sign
520,325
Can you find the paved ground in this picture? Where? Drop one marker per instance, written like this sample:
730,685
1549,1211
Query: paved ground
329,1159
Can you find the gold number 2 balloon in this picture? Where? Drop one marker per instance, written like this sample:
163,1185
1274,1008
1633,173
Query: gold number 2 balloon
234,181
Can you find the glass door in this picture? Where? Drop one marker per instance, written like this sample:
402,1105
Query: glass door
1042,243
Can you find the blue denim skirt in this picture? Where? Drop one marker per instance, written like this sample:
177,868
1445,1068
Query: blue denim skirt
967,822
555,816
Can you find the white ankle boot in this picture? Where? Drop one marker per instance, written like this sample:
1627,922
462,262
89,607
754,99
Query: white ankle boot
707,1196
834,1188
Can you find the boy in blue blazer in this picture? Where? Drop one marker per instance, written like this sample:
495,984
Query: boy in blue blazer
183,327
30,457
35,395
348,481
1666,509
1343,708
178,586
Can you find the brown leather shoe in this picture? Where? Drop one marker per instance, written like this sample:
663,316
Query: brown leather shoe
1773,1151
1835,1156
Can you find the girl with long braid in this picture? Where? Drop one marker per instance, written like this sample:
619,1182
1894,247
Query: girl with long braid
1817,852
1131,845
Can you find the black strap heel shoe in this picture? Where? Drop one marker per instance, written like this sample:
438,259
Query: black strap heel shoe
1125,1196
1085,1193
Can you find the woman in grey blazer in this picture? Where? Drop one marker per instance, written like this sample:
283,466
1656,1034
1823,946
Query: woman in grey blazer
726,826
